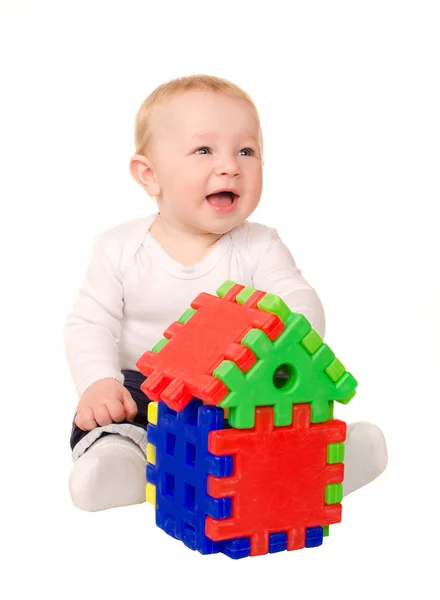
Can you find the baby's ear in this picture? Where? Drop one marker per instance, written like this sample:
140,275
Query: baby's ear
143,173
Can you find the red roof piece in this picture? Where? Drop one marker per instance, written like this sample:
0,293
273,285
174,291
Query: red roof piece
183,368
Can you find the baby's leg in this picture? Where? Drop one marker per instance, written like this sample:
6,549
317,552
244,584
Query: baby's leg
110,473
366,455
109,461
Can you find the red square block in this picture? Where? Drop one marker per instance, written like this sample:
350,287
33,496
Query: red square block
279,478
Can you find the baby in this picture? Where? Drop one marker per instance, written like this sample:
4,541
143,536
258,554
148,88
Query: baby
199,153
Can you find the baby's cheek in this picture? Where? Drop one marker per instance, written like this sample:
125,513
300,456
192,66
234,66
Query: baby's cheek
257,182
192,188
254,180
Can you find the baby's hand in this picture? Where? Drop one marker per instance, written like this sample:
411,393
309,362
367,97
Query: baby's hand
104,402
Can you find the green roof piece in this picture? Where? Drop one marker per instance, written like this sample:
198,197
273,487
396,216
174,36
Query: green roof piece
307,380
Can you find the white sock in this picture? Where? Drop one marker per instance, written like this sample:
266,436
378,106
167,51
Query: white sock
110,473
366,455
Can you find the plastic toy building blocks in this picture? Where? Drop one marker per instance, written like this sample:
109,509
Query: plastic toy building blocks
244,456
243,492
226,350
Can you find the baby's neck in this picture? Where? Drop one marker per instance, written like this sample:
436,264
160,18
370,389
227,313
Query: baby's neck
184,246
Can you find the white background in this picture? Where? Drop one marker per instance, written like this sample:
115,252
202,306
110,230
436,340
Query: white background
349,99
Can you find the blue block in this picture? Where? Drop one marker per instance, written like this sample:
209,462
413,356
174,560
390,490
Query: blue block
277,542
314,536
238,548
181,475
151,474
151,434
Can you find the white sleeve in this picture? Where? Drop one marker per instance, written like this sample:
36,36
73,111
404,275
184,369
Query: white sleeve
93,326
276,272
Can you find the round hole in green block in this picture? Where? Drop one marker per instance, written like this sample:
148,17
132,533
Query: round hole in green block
283,376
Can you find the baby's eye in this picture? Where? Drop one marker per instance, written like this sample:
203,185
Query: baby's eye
203,150
247,152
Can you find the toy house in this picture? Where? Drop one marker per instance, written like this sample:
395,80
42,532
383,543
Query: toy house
244,456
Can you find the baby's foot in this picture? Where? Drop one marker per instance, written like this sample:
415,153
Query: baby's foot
110,473
366,455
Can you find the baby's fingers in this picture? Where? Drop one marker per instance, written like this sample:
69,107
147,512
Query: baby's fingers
85,419
116,410
130,405
102,415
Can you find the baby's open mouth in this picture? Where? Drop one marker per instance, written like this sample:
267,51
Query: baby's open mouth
222,199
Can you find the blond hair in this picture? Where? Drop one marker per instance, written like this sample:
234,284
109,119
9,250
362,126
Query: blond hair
142,125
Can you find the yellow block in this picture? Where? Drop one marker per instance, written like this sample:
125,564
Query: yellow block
152,413
151,454
151,493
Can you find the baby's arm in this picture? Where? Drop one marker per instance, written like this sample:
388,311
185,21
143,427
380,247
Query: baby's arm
91,337
276,272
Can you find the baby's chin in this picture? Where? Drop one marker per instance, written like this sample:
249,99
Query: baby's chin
221,224
220,228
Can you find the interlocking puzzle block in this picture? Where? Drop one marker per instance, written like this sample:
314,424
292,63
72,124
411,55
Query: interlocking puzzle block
180,366
285,479
227,350
178,464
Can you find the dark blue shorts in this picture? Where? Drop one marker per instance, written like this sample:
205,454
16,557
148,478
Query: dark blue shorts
132,381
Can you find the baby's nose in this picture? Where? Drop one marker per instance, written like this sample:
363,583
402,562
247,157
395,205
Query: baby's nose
228,166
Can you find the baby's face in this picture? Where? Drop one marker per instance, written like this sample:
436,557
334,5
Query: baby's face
207,160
